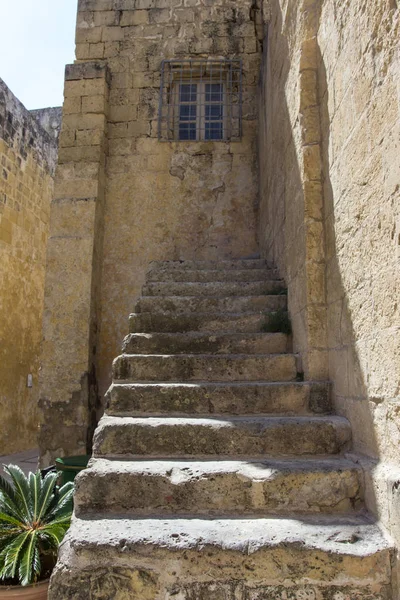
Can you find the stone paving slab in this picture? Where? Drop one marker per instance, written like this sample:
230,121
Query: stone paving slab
27,460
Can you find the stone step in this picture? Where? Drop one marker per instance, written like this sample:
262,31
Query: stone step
166,274
211,322
214,289
229,304
193,343
211,265
148,488
205,367
317,558
205,398
224,436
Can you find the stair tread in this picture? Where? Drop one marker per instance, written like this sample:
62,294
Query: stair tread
214,289
226,421
208,355
195,275
221,297
212,314
349,535
204,334
257,468
239,263
216,384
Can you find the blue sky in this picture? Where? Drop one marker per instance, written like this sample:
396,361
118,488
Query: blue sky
37,40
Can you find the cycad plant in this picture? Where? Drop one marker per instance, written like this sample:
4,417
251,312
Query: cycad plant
34,517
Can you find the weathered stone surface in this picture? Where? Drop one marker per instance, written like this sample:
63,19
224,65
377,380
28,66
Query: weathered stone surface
330,112
215,288
137,399
246,322
231,304
28,156
218,488
223,436
235,275
234,559
205,367
74,263
182,343
207,265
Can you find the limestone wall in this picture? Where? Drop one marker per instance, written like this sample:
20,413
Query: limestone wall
330,210
49,119
162,200
27,162
359,74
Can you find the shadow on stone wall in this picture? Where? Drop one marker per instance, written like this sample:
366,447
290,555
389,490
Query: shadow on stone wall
283,214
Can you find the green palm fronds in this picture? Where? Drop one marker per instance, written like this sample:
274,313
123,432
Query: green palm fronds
34,517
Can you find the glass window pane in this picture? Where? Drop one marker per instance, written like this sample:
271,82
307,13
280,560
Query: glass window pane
214,112
187,112
214,92
187,131
188,92
214,131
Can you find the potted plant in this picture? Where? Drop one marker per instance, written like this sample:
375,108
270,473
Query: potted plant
34,517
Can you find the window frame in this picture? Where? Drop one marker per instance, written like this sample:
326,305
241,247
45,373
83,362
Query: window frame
200,104
201,72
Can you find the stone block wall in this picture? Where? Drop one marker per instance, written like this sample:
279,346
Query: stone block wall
359,81
329,211
28,157
160,200
49,119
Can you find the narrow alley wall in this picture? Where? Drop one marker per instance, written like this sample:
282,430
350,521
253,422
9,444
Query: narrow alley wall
330,211
27,161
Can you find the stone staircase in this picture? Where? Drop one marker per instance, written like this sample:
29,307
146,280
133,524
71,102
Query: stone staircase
218,474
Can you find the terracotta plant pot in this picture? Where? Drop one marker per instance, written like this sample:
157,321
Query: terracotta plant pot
38,591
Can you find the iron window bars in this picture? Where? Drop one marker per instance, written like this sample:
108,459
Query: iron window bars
200,100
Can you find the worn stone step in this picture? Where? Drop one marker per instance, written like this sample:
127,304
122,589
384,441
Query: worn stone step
229,304
205,367
233,487
213,322
205,398
211,265
222,436
166,274
214,288
193,342
317,558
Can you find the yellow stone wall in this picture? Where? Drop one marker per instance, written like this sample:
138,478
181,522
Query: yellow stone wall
359,72
27,161
330,216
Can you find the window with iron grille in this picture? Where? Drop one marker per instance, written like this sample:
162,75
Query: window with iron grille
200,100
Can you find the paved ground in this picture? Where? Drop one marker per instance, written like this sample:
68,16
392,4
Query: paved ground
27,460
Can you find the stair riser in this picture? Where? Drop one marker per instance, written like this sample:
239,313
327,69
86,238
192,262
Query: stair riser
221,438
157,275
203,399
208,322
210,367
233,304
214,289
193,344
192,490
210,265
